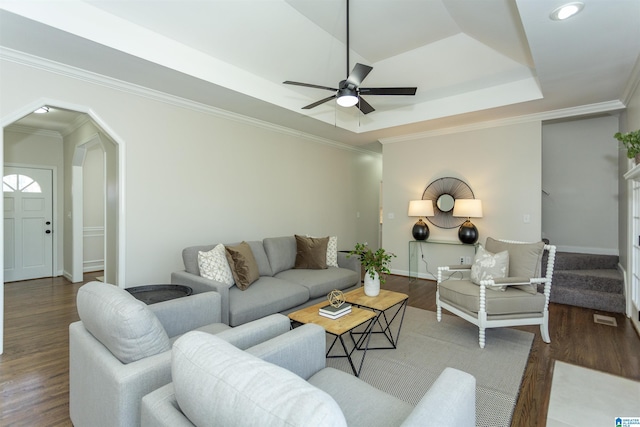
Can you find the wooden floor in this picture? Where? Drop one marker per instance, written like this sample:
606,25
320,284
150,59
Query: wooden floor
34,373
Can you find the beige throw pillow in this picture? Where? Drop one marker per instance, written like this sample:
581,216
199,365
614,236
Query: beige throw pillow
311,252
243,265
487,265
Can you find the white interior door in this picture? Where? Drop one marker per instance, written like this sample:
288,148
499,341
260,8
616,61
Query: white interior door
28,223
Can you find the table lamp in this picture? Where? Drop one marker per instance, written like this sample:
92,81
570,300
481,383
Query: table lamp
469,208
420,208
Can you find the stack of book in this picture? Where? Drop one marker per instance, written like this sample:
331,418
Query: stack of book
333,313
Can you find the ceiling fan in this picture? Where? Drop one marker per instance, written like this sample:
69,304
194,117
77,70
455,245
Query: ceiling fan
348,93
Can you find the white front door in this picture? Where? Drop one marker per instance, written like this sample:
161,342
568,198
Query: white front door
28,223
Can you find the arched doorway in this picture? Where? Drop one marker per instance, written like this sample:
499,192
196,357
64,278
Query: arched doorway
79,132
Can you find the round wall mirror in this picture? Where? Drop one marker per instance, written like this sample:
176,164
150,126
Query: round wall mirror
445,202
444,192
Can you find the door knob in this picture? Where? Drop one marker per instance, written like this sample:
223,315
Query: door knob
48,222
48,231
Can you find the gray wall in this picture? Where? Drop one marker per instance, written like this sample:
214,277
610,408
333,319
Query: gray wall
193,176
580,173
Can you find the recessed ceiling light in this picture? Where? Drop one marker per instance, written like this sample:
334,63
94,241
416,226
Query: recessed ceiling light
42,110
566,11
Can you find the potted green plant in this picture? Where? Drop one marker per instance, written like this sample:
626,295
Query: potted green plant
376,264
631,141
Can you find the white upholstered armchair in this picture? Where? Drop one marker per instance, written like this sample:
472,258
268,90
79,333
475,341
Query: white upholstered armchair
501,288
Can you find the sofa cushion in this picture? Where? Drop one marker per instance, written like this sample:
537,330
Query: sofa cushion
214,265
463,293
321,282
487,265
281,252
243,265
266,296
374,407
525,259
120,322
311,252
217,384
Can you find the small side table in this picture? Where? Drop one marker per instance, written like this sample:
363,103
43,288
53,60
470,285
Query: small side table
383,306
151,294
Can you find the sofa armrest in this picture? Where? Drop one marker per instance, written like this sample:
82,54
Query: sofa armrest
257,331
350,262
160,408
301,350
451,400
200,284
184,314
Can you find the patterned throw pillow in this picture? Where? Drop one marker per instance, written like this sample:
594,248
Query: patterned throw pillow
487,265
213,265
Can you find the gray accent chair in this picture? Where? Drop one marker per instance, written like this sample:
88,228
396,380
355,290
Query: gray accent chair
120,350
285,382
523,298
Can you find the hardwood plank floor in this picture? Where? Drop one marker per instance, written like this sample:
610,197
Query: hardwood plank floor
34,372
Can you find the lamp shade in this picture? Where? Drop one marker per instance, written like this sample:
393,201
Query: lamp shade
468,208
420,208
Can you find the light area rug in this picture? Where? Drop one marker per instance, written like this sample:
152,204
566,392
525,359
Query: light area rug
584,397
426,347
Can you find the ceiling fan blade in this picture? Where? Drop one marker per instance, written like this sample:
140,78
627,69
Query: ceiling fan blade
364,106
322,101
358,74
288,82
388,90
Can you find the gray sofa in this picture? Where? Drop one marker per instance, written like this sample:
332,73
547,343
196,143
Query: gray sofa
280,288
284,382
120,350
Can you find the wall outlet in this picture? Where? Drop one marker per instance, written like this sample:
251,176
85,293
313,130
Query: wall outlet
461,260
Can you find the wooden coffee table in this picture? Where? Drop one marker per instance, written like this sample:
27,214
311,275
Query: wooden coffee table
387,306
339,327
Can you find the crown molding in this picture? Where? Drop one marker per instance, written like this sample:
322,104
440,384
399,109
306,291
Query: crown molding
28,130
33,61
583,110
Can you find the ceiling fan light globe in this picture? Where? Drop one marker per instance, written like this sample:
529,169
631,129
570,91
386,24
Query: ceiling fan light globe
347,100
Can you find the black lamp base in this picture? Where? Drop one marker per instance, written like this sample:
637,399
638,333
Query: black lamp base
420,230
468,233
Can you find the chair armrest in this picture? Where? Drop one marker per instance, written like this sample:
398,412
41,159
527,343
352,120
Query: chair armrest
512,281
301,350
160,408
257,331
184,314
350,262
200,284
451,401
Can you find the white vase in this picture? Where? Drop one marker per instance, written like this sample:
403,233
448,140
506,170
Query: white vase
371,286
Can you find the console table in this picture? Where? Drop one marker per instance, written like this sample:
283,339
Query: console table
415,247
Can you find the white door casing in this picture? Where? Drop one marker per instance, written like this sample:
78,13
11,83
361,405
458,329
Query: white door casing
28,223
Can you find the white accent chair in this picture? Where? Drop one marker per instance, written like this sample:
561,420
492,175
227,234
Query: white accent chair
519,303
120,350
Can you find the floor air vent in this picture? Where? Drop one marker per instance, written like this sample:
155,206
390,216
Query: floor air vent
605,320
